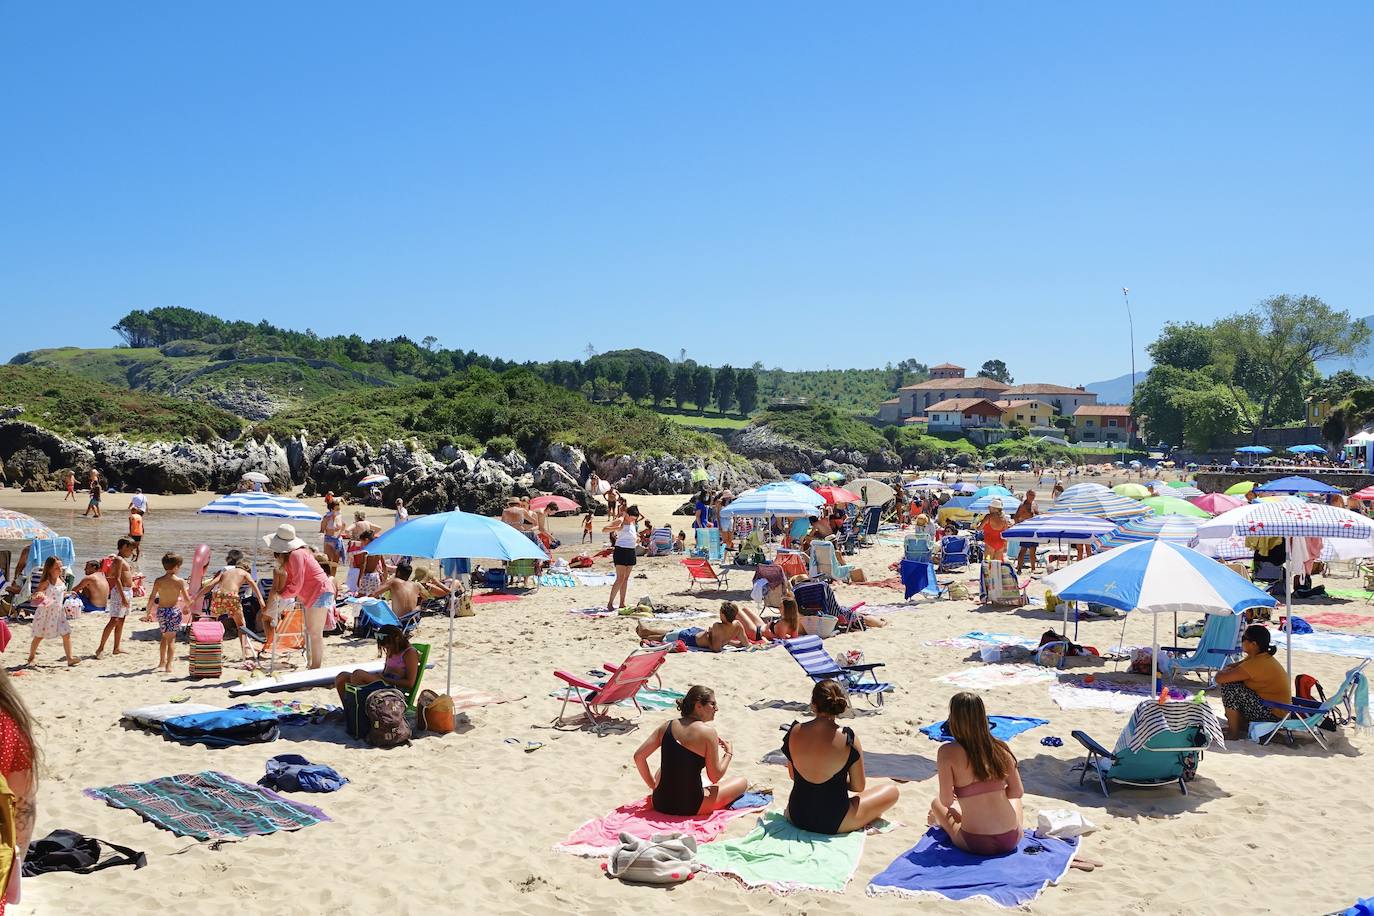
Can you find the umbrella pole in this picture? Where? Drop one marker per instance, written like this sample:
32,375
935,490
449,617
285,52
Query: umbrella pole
1288,604
448,683
1154,655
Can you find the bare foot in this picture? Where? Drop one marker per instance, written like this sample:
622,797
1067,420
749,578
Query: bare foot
73,662
29,663
117,652
98,655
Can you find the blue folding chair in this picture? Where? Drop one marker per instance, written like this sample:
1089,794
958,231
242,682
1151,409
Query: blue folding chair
1218,645
953,552
1304,716
810,654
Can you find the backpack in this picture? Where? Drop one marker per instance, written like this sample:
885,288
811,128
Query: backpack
67,850
386,718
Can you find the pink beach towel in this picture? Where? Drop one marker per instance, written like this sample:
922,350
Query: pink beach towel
492,597
601,836
1339,620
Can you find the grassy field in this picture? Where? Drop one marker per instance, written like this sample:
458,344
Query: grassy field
706,421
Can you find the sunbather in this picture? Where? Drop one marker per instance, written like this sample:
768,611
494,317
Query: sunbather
401,668
979,804
405,594
685,745
1258,676
728,631
93,590
788,626
825,762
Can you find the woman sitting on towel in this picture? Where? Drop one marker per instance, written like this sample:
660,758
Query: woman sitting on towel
401,668
979,804
826,763
685,745
1258,676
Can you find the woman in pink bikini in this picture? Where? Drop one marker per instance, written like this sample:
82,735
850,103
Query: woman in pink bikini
979,804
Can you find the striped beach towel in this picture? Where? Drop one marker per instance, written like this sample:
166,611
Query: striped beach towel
1151,717
558,580
209,805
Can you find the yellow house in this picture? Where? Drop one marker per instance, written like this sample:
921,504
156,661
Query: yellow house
1028,413
1318,411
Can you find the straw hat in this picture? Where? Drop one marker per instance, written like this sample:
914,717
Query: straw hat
993,506
284,541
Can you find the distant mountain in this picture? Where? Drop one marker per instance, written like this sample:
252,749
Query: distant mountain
1117,390
1364,365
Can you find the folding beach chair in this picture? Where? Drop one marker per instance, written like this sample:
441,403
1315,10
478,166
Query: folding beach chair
660,542
287,636
792,563
918,548
750,551
824,564
526,570
1304,716
413,694
998,584
1170,756
778,588
624,683
810,654
953,552
709,545
816,599
868,525
700,570
1218,645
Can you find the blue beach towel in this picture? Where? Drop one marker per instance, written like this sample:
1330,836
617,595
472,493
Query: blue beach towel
753,800
1003,727
918,577
937,866
223,728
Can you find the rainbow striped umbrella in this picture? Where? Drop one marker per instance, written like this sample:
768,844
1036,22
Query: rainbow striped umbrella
16,526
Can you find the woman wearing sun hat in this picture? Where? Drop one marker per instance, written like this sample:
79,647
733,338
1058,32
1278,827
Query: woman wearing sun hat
996,522
307,582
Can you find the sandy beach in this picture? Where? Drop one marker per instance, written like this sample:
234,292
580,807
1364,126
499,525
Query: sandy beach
466,822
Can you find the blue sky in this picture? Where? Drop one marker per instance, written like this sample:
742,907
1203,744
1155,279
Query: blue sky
805,184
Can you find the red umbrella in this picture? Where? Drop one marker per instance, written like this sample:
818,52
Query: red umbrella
556,503
1217,503
834,495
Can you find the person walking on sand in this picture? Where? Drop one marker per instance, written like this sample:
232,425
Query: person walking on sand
120,576
71,487
308,583
625,538
136,532
93,504
587,536
50,613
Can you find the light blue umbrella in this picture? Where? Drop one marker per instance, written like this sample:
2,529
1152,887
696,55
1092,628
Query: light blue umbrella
456,535
1295,485
984,503
964,488
1306,449
767,503
1157,577
1254,450
258,506
802,478
793,489
992,491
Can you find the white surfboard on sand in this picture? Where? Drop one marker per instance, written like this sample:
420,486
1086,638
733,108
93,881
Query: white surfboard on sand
300,680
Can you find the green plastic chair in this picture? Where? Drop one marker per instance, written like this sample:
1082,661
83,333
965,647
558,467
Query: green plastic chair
414,693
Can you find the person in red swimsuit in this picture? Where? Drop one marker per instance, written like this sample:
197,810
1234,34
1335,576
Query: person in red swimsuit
18,756
996,522
979,804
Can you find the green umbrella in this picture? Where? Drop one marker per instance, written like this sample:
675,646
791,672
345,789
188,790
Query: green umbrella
1172,505
1179,483
1240,489
1131,490
699,475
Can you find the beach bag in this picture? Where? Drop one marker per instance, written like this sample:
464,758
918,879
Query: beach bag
9,833
957,591
1063,823
463,607
436,712
231,629
386,718
666,859
67,850
856,576
1140,660
355,707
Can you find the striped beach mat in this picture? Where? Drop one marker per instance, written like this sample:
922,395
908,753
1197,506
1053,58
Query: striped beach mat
209,805
207,659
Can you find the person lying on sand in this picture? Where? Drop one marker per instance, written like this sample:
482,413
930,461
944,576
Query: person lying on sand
685,746
730,630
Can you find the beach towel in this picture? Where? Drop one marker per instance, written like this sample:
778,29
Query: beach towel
470,699
599,836
881,609
558,580
1338,619
1361,593
493,597
917,577
599,613
936,866
649,697
293,773
983,677
784,858
153,716
1152,717
977,639
209,805
889,582
1090,696
595,579
1003,727
1350,645
223,728
877,765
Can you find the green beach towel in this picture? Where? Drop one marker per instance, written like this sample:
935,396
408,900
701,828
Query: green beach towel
784,858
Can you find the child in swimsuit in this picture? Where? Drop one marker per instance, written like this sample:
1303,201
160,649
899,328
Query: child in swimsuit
168,598
401,668
225,589
983,814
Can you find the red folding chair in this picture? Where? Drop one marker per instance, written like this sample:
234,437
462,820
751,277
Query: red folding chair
623,684
700,570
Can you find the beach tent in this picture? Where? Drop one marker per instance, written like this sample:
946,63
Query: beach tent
453,536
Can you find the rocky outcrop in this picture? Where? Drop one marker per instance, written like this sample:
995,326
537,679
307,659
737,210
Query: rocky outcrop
569,458
551,477
468,483
788,456
36,459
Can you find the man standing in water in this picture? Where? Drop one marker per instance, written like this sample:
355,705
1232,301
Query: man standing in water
120,575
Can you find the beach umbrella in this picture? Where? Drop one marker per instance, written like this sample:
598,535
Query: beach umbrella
1366,493
554,503
833,476
1240,489
16,526
256,477
1216,503
1177,483
984,503
1230,548
766,503
457,535
1254,450
791,488
1131,490
1307,449
1295,485
993,491
923,483
374,480
1157,577
964,488
1175,529
699,475
1063,526
259,506
838,495
872,492
1294,521
1096,500
803,478
1172,505
1184,492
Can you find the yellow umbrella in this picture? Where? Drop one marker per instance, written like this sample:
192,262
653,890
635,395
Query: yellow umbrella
1132,490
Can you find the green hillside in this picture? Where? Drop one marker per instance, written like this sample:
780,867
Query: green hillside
74,405
856,391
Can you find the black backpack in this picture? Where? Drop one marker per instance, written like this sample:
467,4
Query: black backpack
66,850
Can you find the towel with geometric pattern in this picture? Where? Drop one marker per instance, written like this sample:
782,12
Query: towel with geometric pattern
209,805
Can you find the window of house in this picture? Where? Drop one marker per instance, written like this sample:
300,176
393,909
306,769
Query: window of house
1088,423
1111,421
1020,416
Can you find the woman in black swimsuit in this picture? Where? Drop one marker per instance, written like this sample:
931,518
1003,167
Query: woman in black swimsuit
685,746
826,763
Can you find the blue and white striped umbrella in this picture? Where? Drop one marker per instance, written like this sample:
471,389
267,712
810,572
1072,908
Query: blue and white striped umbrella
923,483
1098,501
765,503
1224,549
1288,519
16,526
1176,529
260,505
1064,526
